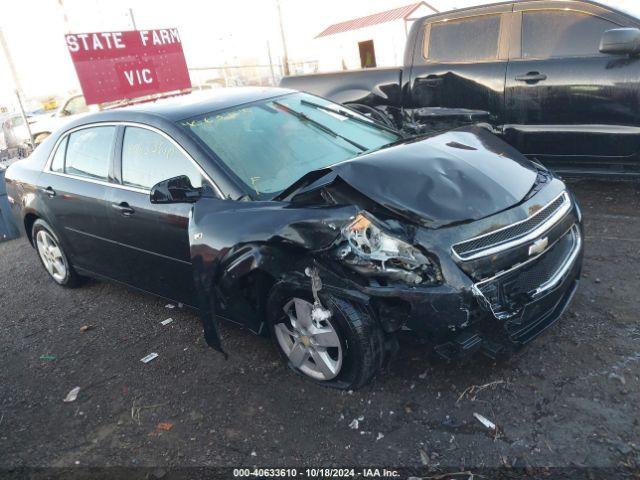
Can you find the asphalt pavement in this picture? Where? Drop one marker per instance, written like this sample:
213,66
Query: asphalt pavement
568,399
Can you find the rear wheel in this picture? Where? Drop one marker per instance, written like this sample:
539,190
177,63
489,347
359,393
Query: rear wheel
52,255
343,351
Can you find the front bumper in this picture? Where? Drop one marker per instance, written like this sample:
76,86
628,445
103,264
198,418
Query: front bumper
493,303
523,302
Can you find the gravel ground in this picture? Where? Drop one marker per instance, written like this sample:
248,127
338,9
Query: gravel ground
569,399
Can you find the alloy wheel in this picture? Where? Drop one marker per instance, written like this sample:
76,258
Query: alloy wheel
51,255
312,345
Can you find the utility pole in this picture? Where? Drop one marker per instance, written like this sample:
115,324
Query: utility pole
133,19
273,75
16,82
285,57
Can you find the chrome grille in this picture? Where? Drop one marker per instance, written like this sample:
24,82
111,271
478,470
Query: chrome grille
508,292
514,234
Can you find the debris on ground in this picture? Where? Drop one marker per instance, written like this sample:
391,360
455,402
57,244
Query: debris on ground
474,390
451,422
167,321
410,407
617,376
424,458
84,328
485,421
380,436
355,424
149,357
161,427
72,395
48,358
169,305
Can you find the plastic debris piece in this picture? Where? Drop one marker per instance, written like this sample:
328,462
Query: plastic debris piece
166,426
84,328
72,395
612,375
48,357
169,305
424,458
149,357
355,424
485,421
167,321
380,436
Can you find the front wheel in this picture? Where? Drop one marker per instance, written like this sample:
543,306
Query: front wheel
343,351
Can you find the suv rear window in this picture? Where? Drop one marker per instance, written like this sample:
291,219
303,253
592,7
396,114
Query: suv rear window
558,33
89,152
466,40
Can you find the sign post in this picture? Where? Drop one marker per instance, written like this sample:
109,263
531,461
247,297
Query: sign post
115,66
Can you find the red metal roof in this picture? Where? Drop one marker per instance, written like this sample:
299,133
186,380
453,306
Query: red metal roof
376,18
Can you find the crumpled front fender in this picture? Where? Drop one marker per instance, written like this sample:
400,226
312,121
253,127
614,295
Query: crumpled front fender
231,239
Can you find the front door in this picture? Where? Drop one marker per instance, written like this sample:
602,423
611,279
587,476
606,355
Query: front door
153,239
459,63
567,104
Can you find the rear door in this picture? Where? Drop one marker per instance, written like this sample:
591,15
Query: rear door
460,61
567,104
73,189
153,239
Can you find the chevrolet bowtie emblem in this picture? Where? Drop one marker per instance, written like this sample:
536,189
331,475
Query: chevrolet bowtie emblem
538,246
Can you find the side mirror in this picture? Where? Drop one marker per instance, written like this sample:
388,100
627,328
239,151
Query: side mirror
175,190
621,41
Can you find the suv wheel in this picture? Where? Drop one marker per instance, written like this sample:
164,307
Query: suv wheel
52,255
343,351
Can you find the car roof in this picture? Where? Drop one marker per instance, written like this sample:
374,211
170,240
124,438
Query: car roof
600,3
188,106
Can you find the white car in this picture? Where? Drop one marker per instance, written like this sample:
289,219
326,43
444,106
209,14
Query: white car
45,124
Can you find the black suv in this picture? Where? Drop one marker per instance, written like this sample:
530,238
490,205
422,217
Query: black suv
557,79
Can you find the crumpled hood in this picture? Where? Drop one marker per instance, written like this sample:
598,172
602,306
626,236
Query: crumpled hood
461,175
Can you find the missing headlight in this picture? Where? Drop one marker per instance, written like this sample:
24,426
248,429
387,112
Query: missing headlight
372,252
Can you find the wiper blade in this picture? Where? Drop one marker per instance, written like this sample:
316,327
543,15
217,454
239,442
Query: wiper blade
317,124
350,116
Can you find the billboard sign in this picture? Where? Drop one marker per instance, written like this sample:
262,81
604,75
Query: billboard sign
122,65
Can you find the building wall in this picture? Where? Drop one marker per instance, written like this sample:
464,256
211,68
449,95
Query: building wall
389,41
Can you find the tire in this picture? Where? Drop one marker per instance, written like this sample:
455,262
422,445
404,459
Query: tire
52,255
361,340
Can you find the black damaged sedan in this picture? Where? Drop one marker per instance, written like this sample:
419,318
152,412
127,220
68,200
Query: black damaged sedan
301,219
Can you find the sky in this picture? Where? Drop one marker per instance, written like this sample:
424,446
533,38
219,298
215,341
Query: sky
213,31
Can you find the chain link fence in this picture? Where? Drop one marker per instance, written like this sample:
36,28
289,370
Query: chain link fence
203,78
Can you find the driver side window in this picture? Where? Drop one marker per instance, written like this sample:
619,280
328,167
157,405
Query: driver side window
149,158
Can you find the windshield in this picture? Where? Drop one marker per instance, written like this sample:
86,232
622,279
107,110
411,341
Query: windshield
270,144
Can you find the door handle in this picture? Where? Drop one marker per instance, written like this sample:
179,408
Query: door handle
48,191
531,77
429,81
124,209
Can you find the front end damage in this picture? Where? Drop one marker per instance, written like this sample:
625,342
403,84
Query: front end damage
489,283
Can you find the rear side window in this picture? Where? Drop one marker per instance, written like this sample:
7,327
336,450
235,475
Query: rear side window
89,152
149,158
467,40
558,33
57,164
